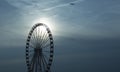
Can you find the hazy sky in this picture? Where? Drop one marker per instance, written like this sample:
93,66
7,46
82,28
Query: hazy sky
86,34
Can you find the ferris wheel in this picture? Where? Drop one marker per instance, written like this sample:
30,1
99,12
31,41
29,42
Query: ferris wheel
39,49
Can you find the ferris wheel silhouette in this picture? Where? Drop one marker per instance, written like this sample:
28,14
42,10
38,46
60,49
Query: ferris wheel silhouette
39,49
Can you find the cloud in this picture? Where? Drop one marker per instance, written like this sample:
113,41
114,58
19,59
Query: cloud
39,5
62,5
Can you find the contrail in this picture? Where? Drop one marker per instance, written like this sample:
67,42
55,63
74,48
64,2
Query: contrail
62,5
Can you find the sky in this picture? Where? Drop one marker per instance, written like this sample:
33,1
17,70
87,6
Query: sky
86,34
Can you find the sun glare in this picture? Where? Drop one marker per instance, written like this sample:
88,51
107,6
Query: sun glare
43,29
46,21
50,22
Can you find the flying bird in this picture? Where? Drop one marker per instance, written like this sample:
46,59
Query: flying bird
72,4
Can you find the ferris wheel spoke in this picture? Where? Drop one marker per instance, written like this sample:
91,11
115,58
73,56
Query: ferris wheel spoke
36,65
32,42
39,62
39,66
46,57
39,37
41,33
46,46
32,39
32,59
31,46
44,60
36,35
43,63
43,38
31,55
33,63
46,51
31,51
45,42
33,36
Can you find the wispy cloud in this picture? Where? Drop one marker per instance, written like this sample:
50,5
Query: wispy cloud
62,5
38,6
